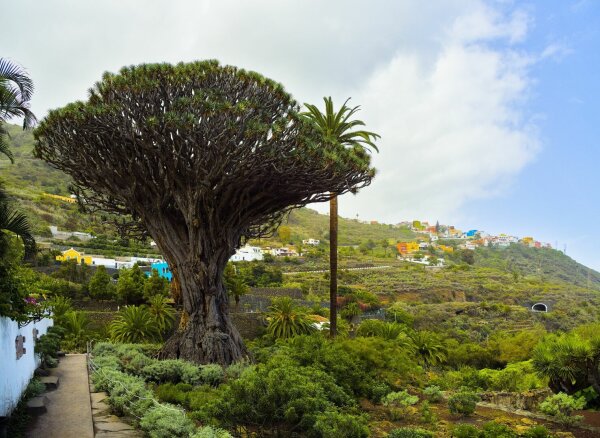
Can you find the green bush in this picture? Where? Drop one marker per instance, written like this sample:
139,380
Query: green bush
400,399
410,432
171,393
212,374
133,362
235,370
128,395
205,403
561,407
104,348
167,421
47,346
334,424
427,416
169,370
493,429
378,391
463,403
433,394
398,403
34,388
536,432
279,393
107,362
465,431
211,432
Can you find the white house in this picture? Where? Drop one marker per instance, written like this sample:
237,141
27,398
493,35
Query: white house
247,253
122,262
64,235
313,242
284,252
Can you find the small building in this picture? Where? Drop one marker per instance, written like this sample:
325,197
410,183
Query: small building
407,247
284,252
313,242
73,254
247,253
163,270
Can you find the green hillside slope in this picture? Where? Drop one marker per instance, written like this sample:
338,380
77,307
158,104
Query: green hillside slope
543,263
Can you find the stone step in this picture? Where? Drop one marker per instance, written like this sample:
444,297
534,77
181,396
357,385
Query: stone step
51,382
37,405
41,372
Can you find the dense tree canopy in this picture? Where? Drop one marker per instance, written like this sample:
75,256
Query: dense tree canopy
201,157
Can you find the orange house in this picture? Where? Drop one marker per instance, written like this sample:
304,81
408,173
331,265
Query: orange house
407,247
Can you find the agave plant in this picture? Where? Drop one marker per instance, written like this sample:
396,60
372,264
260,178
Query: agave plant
287,320
134,324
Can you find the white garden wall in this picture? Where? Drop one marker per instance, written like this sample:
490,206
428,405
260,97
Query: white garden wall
16,373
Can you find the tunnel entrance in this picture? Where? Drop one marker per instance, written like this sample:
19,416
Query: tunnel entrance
539,307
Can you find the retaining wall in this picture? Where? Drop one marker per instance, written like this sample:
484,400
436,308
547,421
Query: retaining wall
15,373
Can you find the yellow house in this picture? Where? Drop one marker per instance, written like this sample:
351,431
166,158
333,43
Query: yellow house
527,240
72,254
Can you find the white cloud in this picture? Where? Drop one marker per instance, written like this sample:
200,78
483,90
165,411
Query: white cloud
443,82
453,126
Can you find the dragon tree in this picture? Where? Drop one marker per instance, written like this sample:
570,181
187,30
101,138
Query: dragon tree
200,157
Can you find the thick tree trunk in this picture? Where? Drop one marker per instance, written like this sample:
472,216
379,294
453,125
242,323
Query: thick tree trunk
333,245
206,334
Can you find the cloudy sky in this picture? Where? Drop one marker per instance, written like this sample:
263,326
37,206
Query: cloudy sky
488,110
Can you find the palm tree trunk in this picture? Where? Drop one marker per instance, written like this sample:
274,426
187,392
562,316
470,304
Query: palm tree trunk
333,244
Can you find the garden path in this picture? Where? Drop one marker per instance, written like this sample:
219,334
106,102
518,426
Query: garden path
69,409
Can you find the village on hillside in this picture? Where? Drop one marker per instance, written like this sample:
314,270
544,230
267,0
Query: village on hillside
429,239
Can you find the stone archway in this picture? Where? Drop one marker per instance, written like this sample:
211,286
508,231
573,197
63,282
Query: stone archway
539,307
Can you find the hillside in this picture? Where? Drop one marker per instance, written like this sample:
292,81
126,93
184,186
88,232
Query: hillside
29,179
544,263
306,223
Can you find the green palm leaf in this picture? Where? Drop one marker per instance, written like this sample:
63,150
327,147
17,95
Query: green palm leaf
11,72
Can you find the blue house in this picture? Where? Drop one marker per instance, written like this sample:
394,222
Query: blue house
471,233
163,270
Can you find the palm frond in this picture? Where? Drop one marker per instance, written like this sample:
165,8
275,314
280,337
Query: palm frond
13,105
337,126
16,222
11,72
4,148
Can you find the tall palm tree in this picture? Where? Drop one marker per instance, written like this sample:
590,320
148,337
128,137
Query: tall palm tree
16,89
337,126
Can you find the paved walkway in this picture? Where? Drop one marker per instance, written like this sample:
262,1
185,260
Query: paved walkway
69,409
